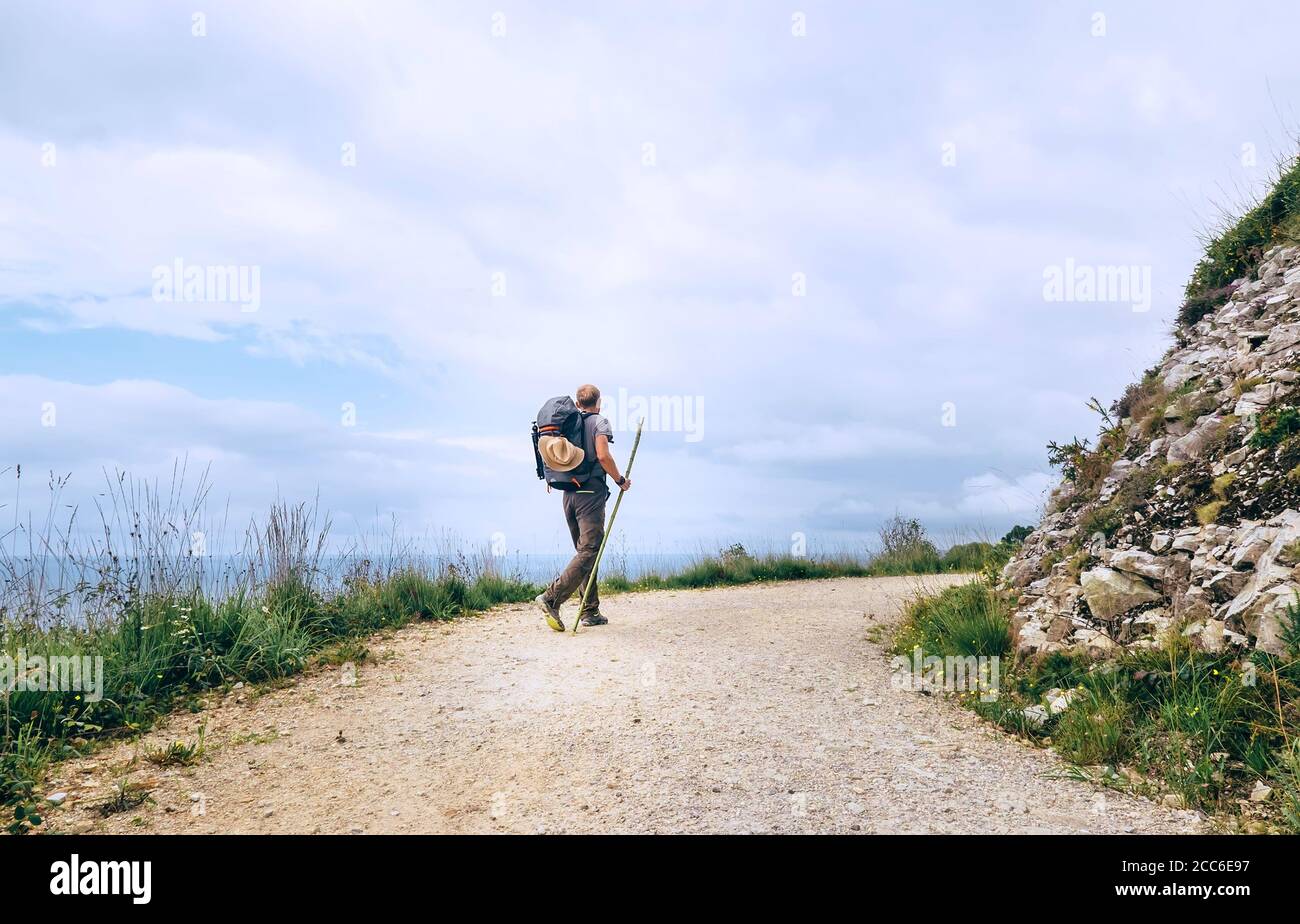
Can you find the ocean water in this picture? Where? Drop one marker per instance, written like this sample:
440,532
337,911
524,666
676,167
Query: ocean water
64,589
54,575
541,567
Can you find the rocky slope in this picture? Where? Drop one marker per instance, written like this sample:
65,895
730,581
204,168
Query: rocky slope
1185,516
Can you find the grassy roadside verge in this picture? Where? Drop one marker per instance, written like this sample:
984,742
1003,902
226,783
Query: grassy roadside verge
166,643
166,649
735,565
1219,733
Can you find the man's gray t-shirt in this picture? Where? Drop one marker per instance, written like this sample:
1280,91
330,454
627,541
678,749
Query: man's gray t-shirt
596,425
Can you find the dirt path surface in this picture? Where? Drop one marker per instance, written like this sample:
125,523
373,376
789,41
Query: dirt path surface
751,709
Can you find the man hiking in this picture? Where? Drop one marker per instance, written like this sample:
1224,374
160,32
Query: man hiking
584,510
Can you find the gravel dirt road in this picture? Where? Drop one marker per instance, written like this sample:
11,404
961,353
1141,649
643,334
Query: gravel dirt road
764,708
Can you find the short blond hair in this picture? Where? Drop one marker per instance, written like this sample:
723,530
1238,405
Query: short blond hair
588,396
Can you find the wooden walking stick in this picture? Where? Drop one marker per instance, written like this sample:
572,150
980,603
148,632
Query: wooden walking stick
609,528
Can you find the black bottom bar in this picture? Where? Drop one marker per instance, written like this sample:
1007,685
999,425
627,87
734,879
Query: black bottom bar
241,873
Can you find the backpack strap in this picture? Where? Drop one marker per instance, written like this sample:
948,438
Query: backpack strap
537,452
589,448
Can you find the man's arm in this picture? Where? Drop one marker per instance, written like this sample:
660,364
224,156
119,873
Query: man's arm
606,460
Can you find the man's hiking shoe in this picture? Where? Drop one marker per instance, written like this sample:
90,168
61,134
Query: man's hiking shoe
552,613
595,619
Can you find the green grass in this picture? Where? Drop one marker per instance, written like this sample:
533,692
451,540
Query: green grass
22,764
178,753
1205,726
1096,729
1103,520
126,796
736,566
975,556
722,571
1237,250
963,621
1275,425
1209,513
167,648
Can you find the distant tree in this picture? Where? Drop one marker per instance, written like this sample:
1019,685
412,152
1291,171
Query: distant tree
901,534
1017,536
905,549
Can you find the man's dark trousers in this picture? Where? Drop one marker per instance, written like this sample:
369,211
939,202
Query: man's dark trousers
585,513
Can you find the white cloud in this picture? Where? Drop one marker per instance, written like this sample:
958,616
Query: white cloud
521,155
828,443
992,495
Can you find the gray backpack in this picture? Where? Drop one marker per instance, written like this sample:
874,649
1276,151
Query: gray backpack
561,417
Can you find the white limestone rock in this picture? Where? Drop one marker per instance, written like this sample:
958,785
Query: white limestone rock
1110,593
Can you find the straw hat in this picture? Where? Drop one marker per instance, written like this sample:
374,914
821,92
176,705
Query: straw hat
559,454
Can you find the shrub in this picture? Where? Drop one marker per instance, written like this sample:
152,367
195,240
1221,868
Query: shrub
1195,307
734,553
1069,457
1088,467
1104,520
905,549
1017,535
1139,397
616,583
901,535
22,763
1275,425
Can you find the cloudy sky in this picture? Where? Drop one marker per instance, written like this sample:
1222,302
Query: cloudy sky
824,232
